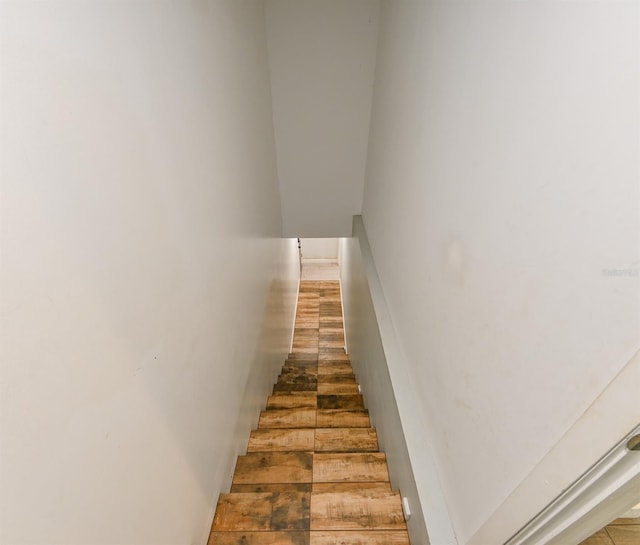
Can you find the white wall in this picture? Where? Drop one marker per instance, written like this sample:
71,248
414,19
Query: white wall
319,248
383,374
502,185
142,275
321,59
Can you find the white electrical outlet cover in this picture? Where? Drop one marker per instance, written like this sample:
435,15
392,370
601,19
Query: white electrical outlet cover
406,508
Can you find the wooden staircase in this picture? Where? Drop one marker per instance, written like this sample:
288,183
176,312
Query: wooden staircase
313,473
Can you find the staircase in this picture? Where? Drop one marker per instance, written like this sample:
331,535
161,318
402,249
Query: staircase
313,473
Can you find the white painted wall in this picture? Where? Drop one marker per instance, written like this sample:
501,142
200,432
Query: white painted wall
502,186
142,275
321,59
319,248
383,374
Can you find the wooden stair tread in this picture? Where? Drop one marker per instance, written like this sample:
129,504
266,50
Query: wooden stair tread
287,418
358,467
274,467
356,510
290,400
349,486
262,511
284,440
343,418
371,537
337,388
346,440
259,538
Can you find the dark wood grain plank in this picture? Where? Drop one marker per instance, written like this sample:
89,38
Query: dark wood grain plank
274,467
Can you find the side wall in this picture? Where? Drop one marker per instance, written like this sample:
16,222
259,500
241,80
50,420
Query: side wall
146,295
502,206
322,58
382,372
319,248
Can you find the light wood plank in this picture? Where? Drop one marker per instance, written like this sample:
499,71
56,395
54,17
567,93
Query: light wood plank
624,535
332,355
346,440
262,511
306,371
330,321
350,467
357,510
379,537
331,338
287,418
258,538
286,440
305,339
339,488
274,467
310,286
334,368
271,487
291,400
340,388
343,418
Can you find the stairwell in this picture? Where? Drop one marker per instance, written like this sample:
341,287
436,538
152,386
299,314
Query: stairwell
313,472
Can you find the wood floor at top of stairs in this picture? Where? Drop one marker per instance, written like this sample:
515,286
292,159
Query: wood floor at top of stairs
313,473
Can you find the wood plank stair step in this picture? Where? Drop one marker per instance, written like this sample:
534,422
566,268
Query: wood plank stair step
274,467
343,418
290,400
259,538
334,369
357,510
356,467
287,418
337,388
346,440
375,537
285,440
262,511
352,401
349,486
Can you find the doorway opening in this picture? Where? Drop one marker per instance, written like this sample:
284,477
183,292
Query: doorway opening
319,259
